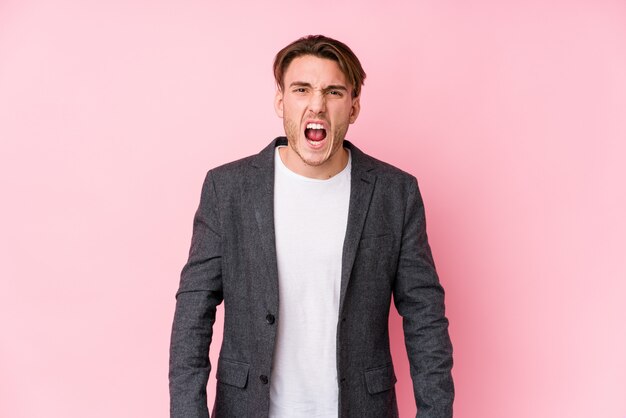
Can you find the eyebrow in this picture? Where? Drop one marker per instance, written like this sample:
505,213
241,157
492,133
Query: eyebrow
336,87
327,88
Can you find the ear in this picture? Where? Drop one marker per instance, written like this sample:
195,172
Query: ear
278,103
356,108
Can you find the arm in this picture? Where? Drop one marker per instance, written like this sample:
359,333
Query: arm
419,299
199,293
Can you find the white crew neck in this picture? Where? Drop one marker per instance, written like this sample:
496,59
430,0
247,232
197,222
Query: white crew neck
280,165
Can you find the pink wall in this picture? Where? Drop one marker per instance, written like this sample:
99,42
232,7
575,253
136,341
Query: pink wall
512,115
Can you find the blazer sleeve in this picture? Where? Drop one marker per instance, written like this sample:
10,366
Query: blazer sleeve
199,293
419,299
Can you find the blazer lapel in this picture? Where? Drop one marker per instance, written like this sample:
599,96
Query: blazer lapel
261,198
361,188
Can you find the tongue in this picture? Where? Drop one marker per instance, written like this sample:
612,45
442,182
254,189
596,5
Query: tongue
315,134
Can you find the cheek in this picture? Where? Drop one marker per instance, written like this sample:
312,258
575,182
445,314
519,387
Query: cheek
291,129
340,124
291,107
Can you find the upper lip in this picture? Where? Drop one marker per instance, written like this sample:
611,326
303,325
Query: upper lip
321,122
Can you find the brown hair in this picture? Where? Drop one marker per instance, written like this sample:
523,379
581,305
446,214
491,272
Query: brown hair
322,47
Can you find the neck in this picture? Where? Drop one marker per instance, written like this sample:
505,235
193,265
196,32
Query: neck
331,167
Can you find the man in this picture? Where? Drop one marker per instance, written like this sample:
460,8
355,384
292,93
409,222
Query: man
305,243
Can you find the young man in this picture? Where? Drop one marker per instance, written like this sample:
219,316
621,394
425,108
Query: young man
305,243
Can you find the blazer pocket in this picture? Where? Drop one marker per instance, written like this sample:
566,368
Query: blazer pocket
232,373
380,379
376,242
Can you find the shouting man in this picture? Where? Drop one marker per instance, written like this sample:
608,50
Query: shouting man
305,243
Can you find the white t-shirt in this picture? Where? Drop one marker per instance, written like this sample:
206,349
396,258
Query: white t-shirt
310,218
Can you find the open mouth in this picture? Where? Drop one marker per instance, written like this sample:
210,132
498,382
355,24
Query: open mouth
315,132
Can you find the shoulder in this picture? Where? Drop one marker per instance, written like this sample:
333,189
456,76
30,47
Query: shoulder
233,168
387,170
235,172
386,173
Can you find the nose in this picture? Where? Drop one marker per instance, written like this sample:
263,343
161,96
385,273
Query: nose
317,104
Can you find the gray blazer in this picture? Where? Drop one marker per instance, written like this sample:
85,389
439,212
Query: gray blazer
233,259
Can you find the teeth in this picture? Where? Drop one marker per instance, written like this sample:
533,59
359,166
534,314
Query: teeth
314,126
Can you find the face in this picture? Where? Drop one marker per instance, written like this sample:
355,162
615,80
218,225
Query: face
316,106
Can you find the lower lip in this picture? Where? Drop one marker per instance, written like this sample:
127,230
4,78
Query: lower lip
315,144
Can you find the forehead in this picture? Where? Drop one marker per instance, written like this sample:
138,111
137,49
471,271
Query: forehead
315,71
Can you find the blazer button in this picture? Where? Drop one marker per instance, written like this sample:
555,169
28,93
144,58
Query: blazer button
270,319
264,379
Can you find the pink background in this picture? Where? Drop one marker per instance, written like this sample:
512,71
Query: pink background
511,114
